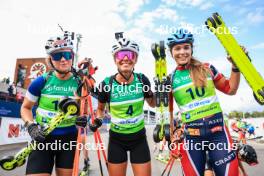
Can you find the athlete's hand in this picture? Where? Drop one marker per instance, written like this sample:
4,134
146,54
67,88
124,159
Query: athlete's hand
97,123
84,63
35,132
81,121
178,135
229,58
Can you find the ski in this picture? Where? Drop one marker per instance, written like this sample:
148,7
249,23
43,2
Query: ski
255,138
162,128
217,26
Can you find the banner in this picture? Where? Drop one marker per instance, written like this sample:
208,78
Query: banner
12,109
27,69
12,131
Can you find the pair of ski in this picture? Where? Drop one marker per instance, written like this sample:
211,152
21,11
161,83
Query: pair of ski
162,128
217,26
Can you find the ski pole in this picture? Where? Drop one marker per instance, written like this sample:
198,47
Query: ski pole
98,154
171,164
95,134
103,151
166,167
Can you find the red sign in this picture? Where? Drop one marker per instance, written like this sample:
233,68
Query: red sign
13,130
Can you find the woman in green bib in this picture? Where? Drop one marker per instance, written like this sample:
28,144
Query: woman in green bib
194,87
47,90
125,92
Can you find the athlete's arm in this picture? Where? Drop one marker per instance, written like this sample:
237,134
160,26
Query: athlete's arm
227,86
103,98
148,94
26,110
32,95
151,101
100,110
232,83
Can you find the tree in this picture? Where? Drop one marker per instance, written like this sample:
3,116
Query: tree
246,114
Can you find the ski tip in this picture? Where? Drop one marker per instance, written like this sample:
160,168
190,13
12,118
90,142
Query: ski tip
154,50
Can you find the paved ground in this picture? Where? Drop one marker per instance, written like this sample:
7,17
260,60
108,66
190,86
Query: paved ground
157,167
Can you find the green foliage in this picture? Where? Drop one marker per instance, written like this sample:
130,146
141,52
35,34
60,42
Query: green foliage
240,114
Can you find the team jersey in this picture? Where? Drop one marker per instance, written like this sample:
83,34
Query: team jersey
195,102
48,93
126,103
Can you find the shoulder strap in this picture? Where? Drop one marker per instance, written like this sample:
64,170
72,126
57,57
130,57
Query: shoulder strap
139,76
48,76
171,76
111,80
45,81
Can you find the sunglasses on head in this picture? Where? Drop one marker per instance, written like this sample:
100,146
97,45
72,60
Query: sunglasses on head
120,55
67,55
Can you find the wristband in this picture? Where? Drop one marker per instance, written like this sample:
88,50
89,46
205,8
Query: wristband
236,70
27,123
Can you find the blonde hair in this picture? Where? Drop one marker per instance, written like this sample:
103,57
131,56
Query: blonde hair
48,62
198,73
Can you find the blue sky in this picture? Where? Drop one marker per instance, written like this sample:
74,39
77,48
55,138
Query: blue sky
26,25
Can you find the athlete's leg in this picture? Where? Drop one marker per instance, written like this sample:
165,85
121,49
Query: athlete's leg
140,157
63,172
117,169
209,172
117,157
85,151
223,158
40,162
143,169
64,157
241,168
193,158
208,167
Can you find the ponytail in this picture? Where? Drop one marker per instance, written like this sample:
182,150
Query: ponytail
198,73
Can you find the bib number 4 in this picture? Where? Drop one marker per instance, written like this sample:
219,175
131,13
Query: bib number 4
130,110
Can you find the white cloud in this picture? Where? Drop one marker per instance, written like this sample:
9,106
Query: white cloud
256,16
169,2
206,6
130,7
242,10
187,25
148,19
185,3
249,2
25,27
164,14
258,46
228,7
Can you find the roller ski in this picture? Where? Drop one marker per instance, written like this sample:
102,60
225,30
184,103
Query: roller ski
162,158
161,80
216,25
255,138
86,167
67,107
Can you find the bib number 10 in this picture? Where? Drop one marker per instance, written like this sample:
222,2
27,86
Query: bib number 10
198,91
